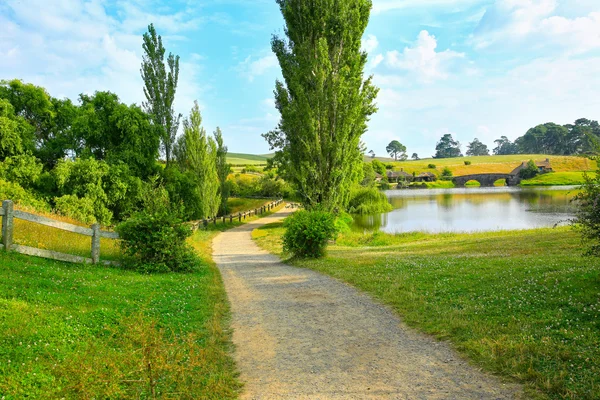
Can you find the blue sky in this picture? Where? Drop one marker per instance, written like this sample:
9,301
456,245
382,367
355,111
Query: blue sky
473,68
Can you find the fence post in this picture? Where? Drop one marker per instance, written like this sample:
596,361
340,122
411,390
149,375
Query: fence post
95,243
231,218
240,216
7,225
224,219
215,220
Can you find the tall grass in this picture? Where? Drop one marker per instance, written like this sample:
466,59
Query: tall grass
368,201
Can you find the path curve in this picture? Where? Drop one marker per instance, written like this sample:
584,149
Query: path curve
302,335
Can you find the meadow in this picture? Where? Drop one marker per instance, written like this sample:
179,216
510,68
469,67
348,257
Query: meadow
494,164
522,304
73,331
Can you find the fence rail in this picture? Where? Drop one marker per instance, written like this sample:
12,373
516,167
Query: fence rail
238,216
9,214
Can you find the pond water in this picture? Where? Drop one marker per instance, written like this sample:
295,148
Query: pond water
473,209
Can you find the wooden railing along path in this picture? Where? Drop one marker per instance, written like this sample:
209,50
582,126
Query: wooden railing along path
8,214
239,216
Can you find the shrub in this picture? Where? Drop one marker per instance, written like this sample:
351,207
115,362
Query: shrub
157,243
530,171
384,185
23,169
588,213
446,173
467,162
389,166
308,232
13,191
81,209
250,168
368,201
378,166
431,166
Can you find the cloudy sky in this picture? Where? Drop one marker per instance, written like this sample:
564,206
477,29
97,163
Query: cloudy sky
473,68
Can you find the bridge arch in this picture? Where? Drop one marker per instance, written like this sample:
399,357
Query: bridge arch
486,180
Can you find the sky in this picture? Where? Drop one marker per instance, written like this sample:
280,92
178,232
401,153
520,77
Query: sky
472,68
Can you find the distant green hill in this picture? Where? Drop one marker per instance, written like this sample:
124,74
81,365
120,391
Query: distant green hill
247,159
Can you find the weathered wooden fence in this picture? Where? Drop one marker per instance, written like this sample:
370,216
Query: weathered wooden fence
241,216
9,214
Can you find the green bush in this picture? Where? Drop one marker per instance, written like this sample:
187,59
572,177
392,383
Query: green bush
13,191
378,166
384,185
588,213
157,243
530,171
81,209
446,173
23,169
467,162
308,232
431,166
368,201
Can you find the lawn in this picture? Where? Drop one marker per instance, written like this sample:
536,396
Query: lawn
522,304
246,159
73,331
557,178
494,164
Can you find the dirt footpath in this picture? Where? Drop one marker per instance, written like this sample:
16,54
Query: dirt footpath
302,335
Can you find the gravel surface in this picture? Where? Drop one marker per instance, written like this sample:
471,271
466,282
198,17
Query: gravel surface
302,335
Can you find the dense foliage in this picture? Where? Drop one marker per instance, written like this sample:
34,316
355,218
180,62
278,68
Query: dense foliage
308,232
588,215
447,147
397,150
530,171
324,101
476,148
368,200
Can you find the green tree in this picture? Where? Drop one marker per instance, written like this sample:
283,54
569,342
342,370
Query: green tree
396,149
415,156
14,131
530,171
324,101
582,136
368,179
372,154
476,148
110,130
160,88
197,153
447,147
547,138
223,171
378,166
505,147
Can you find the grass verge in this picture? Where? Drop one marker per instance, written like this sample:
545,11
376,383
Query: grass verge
73,331
522,304
557,179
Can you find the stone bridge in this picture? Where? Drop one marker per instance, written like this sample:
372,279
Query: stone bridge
486,180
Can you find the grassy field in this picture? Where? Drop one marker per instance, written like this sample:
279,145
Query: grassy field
73,331
237,205
246,159
522,304
494,164
557,178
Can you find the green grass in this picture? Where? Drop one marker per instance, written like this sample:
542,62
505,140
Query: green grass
556,179
246,159
237,204
73,331
494,164
522,304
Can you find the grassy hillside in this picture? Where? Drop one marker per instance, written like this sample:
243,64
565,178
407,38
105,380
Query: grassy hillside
524,304
496,164
246,159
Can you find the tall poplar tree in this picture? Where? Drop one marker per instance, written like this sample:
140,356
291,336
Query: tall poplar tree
223,171
160,87
198,153
324,101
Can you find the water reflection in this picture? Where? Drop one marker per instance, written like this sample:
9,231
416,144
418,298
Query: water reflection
472,209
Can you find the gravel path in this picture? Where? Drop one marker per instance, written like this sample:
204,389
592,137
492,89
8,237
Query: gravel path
302,335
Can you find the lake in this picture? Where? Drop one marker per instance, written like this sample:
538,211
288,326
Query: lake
472,209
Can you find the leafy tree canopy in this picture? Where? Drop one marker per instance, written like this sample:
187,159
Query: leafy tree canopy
447,147
505,147
396,150
477,148
324,101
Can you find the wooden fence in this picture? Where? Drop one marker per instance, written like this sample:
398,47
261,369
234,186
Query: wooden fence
239,216
8,214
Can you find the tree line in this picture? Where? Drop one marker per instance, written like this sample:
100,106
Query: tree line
95,159
579,138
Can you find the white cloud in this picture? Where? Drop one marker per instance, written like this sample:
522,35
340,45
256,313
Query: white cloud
251,68
423,59
370,43
538,23
381,6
